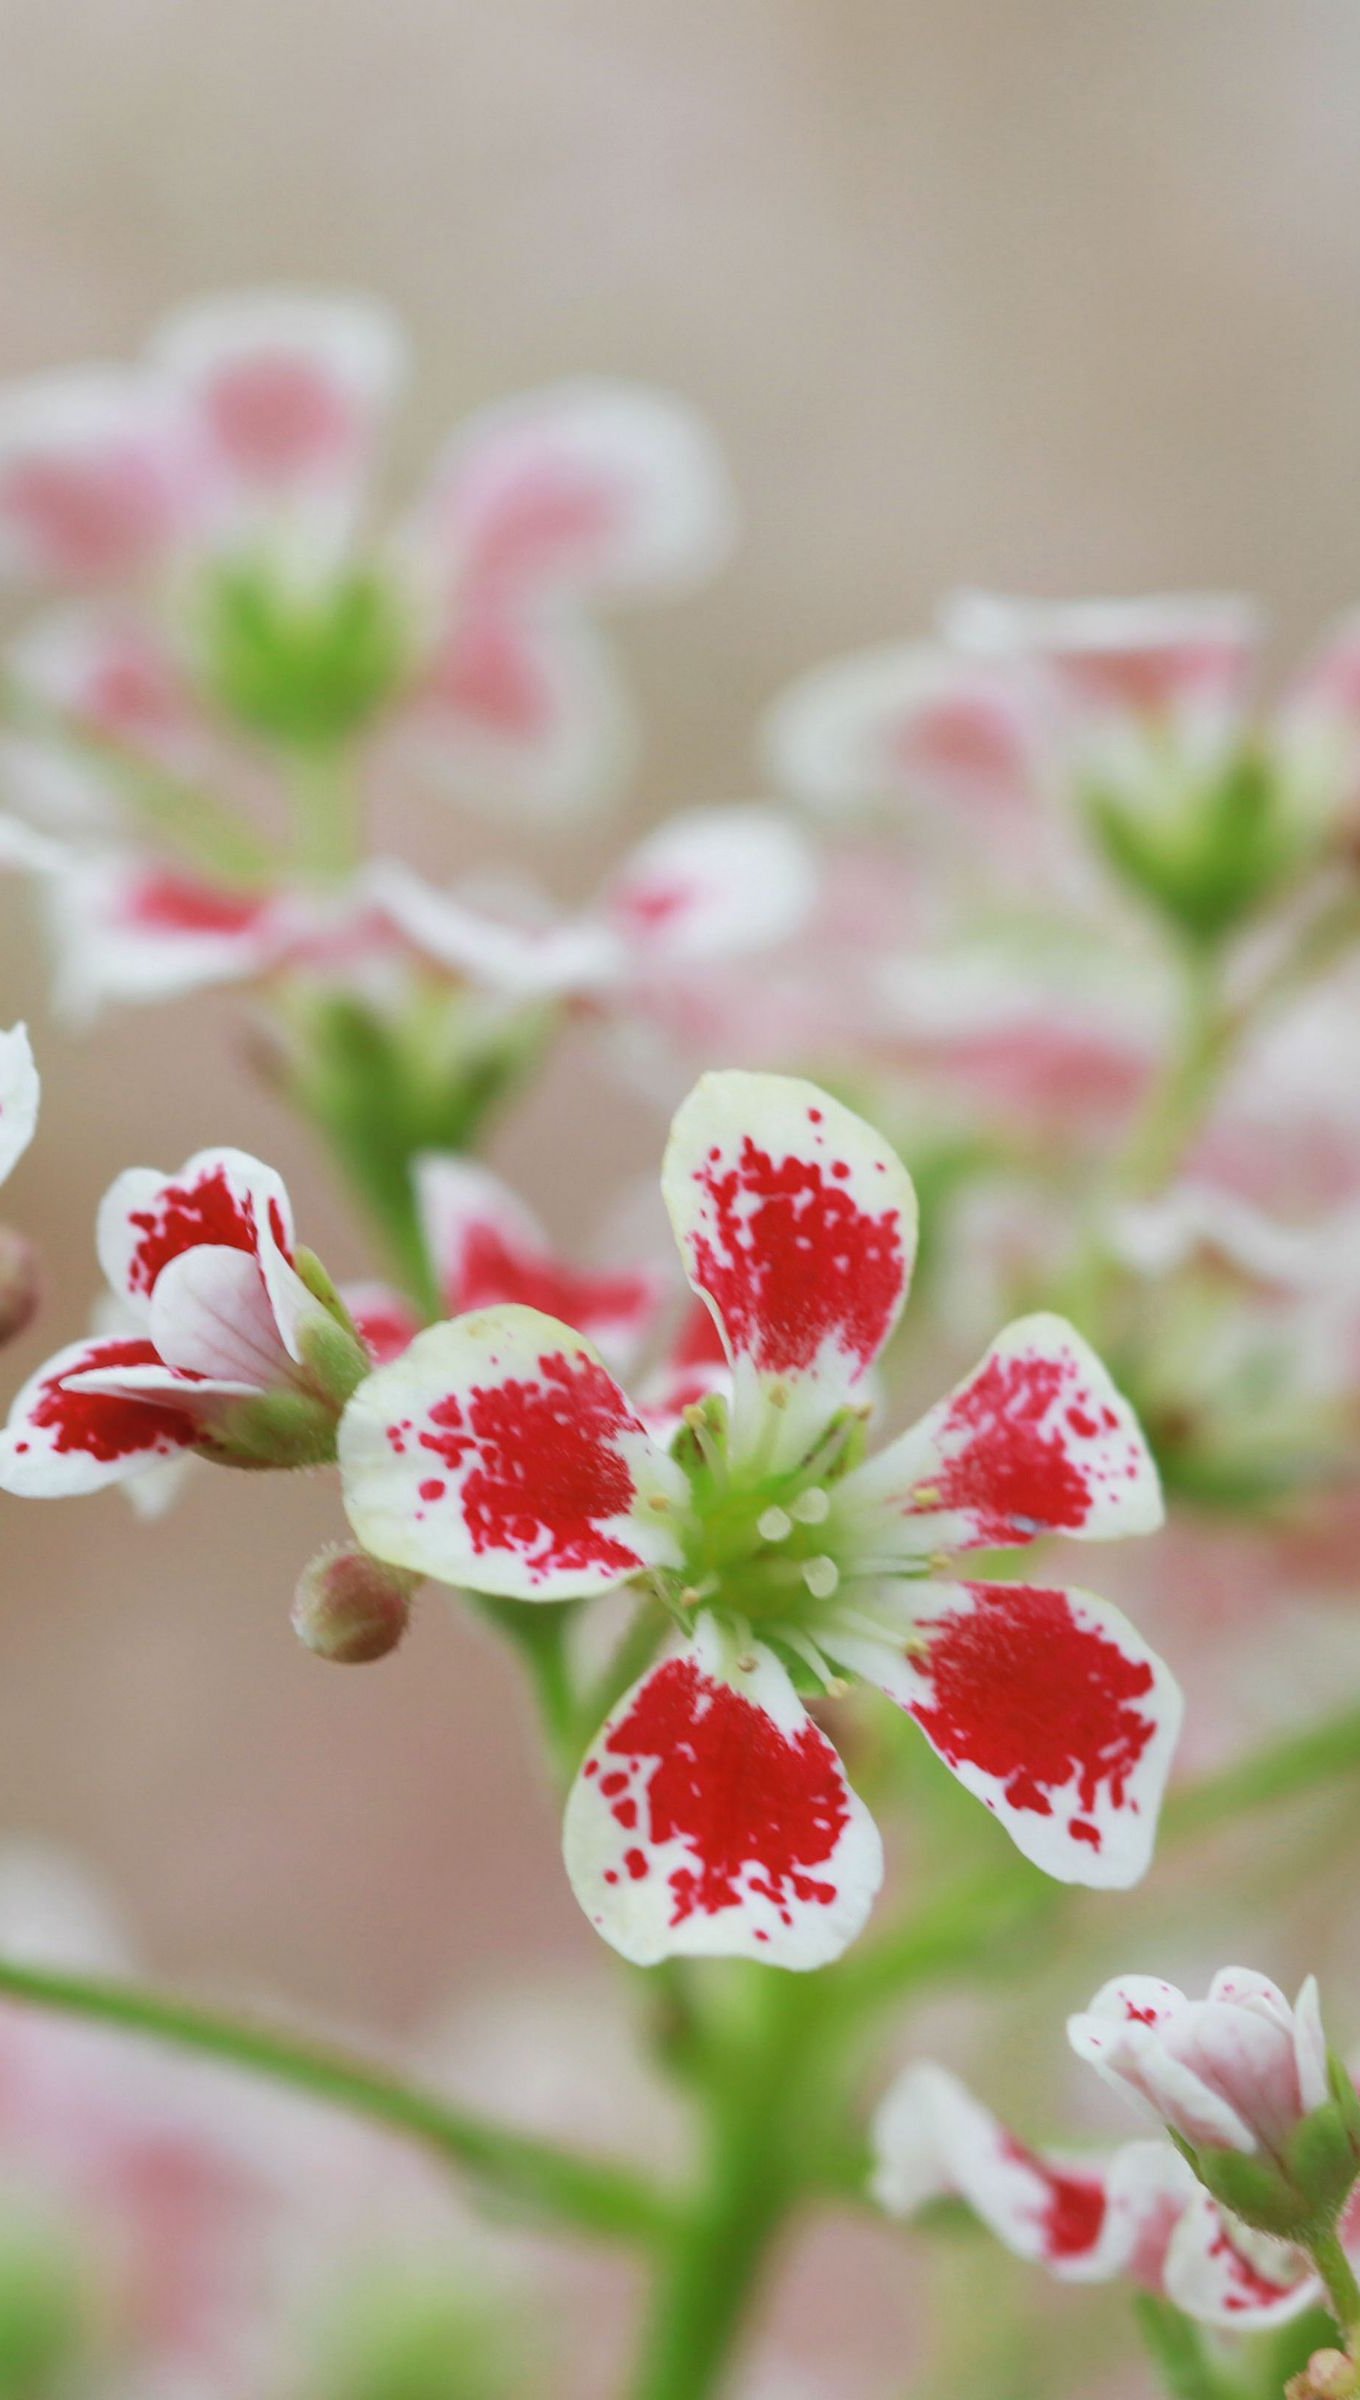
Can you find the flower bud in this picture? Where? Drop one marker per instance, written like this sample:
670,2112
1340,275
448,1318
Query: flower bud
19,1283
349,1607
1329,2375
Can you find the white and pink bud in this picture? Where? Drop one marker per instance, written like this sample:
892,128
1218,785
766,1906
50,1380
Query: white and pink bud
350,1608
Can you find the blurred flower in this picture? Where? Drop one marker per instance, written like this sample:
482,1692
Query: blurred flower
231,478
235,1353
19,1093
1136,2211
498,1452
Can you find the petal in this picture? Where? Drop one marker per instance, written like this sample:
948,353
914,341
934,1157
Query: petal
1086,2220
797,1223
26,852
1136,2000
908,721
96,474
1177,656
383,1318
520,706
210,1315
486,1247
715,883
127,931
105,670
499,1453
1222,2274
60,1442
516,962
712,1818
1046,1704
1036,1440
292,387
1310,2048
588,486
19,1094
221,1198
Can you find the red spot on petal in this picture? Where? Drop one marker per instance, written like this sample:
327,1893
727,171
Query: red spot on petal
792,1262
756,1809
541,1470
103,1425
183,1215
1073,2210
277,416
433,1488
1037,1700
1011,1465
171,903
493,1272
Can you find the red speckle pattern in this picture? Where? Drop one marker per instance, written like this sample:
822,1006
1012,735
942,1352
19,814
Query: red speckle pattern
1010,1449
85,518
1037,1700
792,1261
169,903
101,1425
493,1272
489,673
548,519
536,1466
1072,2212
183,1215
1247,2288
756,1810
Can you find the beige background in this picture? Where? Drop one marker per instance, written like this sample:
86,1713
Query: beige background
1059,293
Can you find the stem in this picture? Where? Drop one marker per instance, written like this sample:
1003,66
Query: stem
755,2172
1176,1106
329,803
595,2196
1343,2292
1177,2349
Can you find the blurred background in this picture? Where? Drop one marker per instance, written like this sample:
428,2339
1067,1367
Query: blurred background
1045,296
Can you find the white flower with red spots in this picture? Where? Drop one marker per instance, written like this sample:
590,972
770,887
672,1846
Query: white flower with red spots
228,483
227,1345
711,1814
1136,2211
1239,2070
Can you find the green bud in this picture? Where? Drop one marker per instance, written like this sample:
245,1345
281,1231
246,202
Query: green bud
1322,2160
349,1607
303,665
1209,853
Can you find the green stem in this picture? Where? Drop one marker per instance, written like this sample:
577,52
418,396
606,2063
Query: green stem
328,798
540,1637
1177,1105
1343,2292
595,2196
1177,2349
755,2171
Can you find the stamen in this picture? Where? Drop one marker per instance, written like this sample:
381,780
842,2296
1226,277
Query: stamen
926,1495
709,1450
821,1575
811,1508
775,1526
834,1685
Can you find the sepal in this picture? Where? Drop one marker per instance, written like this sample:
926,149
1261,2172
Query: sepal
279,1429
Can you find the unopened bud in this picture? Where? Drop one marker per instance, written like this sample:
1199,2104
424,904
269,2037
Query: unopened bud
19,1283
349,1607
1329,2375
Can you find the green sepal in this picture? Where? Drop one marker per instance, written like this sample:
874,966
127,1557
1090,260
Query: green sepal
1345,2095
279,1429
1321,2159
306,666
334,1357
1208,857
1255,2191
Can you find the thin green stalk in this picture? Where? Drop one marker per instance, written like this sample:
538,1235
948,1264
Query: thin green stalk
328,801
1177,2349
755,2171
593,2195
1343,2292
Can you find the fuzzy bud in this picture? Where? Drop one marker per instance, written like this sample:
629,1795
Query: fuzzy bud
349,1607
19,1283
1329,2375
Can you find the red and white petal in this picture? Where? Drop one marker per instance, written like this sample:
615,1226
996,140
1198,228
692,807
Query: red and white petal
1133,2000
107,670
293,388
716,883
129,931
711,1818
222,1199
98,474
586,487
1035,1441
695,1368
520,706
797,1224
61,1442
513,961
1087,2220
383,1318
499,1453
1175,658
19,1095
1046,1704
909,722
486,1247
1223,2274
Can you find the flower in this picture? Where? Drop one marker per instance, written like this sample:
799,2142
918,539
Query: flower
711,1814
230,1350
213,508
1136,2211
1241,2081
